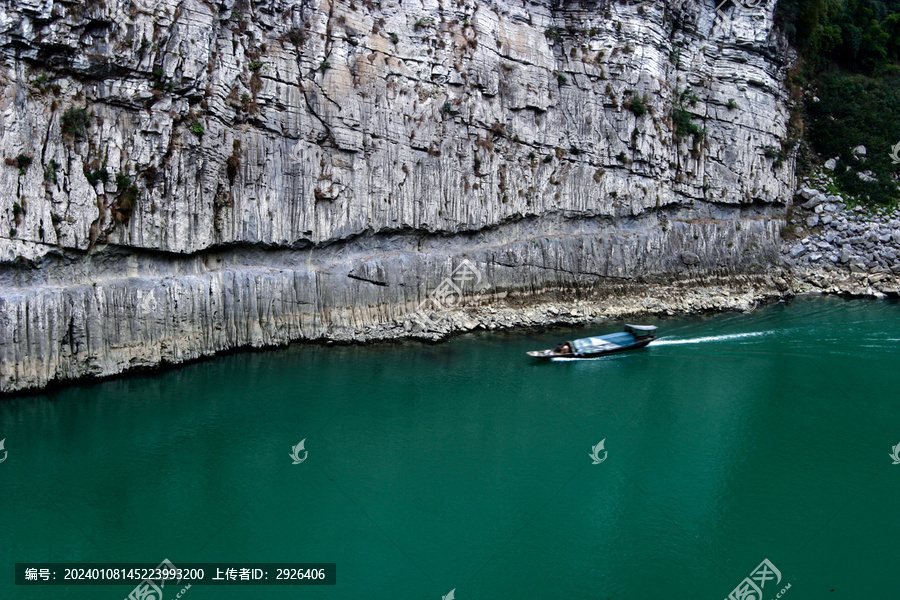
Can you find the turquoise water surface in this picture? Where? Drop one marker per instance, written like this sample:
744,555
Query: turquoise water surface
466,465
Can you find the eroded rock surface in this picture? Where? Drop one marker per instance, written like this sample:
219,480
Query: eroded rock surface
208,176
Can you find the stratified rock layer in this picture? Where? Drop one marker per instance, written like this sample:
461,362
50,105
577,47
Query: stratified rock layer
252,174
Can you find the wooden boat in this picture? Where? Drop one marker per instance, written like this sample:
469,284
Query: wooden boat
634,336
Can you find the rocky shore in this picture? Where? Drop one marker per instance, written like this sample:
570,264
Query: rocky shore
678,296
833,247
829,246
626,300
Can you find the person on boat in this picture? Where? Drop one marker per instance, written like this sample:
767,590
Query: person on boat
562,348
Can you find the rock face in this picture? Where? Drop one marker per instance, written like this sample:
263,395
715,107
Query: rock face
207,176
862,241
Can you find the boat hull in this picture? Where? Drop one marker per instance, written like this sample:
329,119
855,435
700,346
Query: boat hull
553,354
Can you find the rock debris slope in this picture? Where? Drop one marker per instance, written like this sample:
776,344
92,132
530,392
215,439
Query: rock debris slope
185,177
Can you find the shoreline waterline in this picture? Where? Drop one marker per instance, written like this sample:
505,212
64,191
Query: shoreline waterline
678,297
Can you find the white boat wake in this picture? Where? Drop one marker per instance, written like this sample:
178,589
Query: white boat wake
713,338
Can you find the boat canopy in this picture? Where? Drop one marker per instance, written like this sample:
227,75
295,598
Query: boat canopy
641,330
605,343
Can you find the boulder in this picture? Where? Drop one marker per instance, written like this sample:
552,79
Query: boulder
867,176
798,250
812,221
845,255
808,193
689,258
813,202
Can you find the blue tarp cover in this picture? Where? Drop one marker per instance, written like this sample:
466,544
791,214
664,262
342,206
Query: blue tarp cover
603,343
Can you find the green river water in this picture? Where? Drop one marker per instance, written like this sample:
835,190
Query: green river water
465,466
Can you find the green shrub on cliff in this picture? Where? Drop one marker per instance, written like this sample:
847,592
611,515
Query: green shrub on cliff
682,118
638,105
50,171
127,198
23,161
74,122
97,175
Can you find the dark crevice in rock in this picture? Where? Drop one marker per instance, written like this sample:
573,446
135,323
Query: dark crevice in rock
372,281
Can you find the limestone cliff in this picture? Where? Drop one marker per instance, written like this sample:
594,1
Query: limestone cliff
184,177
